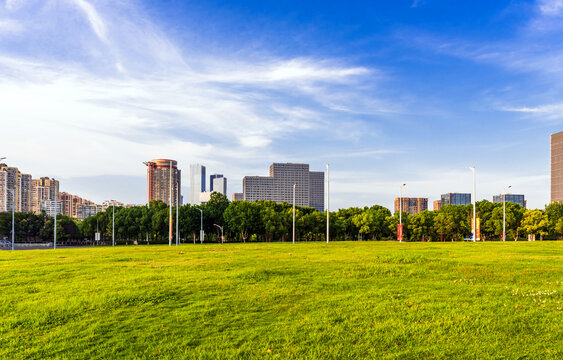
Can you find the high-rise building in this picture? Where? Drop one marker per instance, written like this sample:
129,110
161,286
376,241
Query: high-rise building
556,150
48,206
437,205
238,196
26,186
317,190
412,205
11,188
279,185
455,199
44,189
218,183
197,182
163,176
515,198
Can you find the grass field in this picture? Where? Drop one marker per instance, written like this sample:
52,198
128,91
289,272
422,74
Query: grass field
277,300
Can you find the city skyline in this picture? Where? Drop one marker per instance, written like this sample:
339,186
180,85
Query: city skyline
387,93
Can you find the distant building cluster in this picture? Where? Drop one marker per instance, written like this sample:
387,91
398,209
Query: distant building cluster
278,187
22,193
411,205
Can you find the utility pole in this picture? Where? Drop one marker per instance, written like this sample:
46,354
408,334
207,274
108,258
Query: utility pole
201,228
113,224
55,229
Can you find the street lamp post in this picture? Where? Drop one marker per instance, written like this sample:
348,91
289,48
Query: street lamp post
55,229
201,228
113,224
327,202
177,210
504,212
170,222
474,236
13,215
220,227
294,212
401,211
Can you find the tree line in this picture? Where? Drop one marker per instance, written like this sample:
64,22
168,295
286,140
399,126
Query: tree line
269,221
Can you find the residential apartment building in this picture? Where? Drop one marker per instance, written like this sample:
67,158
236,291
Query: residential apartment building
197,182
42,190
437,205
278,187
238,196
109,203
556,166
412,205
14,189
514,198
163,177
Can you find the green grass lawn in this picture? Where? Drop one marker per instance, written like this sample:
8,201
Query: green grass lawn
277,300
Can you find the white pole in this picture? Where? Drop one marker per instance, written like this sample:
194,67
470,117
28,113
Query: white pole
170,222
474,221
13,218
401,210
55,229
327,202
177,210
220,227
113,224
504,213
294,212
201,228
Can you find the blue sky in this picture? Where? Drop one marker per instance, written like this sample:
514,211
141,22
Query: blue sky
387,92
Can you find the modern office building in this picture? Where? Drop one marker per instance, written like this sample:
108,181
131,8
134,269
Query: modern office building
197,182
412,205
278,187
514,198
204,197
218,183
238,196
163,176
437,205
556,153
455,199
317,190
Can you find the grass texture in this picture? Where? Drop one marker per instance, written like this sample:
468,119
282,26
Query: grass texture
344,300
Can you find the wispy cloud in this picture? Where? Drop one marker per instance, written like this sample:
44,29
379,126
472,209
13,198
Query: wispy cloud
134,93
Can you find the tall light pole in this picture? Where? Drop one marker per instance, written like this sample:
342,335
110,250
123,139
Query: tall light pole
13,215
55,229
294,212
113,224
474,236
327,202
401,211
220,227
177,210
170,222
504,212
201,228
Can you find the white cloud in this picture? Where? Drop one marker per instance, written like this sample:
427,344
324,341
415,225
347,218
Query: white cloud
10,27
551,7
96,22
